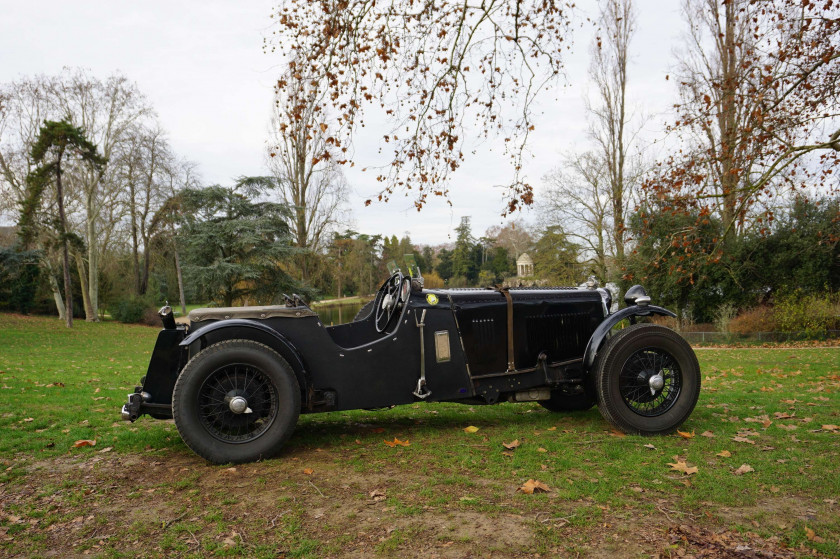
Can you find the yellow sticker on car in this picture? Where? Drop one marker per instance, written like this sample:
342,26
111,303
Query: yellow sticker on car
432,299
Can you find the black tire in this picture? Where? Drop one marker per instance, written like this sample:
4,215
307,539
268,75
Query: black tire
365,311
201,402
622,373
564,402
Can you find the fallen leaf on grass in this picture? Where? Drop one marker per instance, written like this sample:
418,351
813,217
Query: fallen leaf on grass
230,470
541,449
397,442
106,449
783,415
377,495
812,536
681,466
650,446
707,434
308,471
724,454
511,445
84,442
533,486
231,540
617,433
470,429
685,435
743,440
551,429
743,469
833,428
29,420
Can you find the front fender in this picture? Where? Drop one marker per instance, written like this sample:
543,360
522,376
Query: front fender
604,328
242,328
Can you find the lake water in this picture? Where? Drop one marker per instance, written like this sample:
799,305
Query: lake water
338,314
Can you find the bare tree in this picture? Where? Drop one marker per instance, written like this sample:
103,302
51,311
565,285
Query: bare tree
590,196
758,108
433,68
108,111
302,160
145,171
610,121
578,200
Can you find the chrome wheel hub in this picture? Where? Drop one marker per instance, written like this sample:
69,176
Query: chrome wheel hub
656,382
238,404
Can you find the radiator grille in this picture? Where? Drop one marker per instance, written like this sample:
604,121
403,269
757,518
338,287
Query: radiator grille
484,331
560,335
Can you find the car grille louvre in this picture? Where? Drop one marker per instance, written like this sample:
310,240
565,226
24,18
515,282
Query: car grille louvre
560,335
484,331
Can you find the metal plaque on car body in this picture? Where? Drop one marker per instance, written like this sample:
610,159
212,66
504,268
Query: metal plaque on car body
442,351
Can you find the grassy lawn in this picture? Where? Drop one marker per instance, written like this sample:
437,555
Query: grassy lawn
339,490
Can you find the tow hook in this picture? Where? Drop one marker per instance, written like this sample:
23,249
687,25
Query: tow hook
131,410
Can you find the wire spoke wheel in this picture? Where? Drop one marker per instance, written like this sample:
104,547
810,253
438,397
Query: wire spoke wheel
647,380
635,383
236,401
221,387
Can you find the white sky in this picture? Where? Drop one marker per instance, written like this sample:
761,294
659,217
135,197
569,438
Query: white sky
202,66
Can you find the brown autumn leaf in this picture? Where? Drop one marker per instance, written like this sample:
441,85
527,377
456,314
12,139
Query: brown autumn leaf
743,440
831,427
724,454
617,433
323,127
681,466
533,486
377,495
471,429
84,442
783,415
308,471
707,434
650,446
685,435
743,469
512,444
397,442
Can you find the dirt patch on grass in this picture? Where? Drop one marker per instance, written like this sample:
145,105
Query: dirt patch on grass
175,504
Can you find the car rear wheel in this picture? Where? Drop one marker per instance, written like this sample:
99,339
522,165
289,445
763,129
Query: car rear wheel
647,380
236,401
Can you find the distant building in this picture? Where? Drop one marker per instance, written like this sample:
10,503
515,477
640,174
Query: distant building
524,266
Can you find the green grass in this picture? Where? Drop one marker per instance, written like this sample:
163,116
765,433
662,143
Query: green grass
58,386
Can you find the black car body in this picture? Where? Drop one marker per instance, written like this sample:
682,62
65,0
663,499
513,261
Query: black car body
236,379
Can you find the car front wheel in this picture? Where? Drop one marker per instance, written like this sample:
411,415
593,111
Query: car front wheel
236,401
647,379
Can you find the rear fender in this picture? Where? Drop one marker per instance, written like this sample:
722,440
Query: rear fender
244,329
604,328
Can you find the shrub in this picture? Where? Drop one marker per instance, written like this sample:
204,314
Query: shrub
811,314
150,317
757,319
129,311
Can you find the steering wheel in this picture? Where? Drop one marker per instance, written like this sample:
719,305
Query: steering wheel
388,300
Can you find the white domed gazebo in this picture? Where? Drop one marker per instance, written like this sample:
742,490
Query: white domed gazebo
524,266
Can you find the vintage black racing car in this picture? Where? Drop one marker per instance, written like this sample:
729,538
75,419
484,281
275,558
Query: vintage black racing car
236,379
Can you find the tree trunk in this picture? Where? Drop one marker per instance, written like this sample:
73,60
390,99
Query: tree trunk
56,291
728,123
93,266
180,283
90,316
65,255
